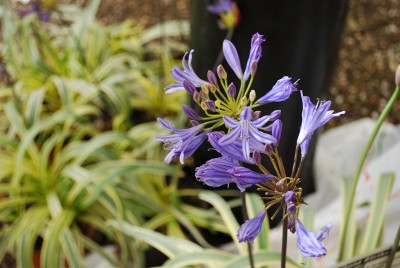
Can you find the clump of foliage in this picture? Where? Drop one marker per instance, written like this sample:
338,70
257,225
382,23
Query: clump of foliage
77,145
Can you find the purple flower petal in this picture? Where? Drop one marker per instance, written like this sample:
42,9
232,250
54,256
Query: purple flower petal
309,244
220,6
183,143
192,114
215,173
234,150
245,177
281,91
212,78
232,58
250,229
187,73
289,196
255,54
313,117
247,132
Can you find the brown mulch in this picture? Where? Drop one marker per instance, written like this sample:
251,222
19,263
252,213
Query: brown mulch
367,61
369,54
368,57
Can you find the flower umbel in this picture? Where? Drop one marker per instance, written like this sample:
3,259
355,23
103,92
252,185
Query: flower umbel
242,135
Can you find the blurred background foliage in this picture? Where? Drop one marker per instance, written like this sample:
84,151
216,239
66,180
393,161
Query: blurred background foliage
77,123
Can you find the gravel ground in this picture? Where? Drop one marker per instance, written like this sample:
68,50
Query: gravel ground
367,60
368,57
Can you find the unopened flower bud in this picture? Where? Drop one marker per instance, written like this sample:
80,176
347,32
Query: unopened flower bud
253,68
397,78
291,208
289,196
194,123
217,103
210,105
243,101
204,88
280,185
232,90
252,95
190,112
257,158
189,87
196,97
256,115
212,78
213,88
221,72
203,106
203,94
268,149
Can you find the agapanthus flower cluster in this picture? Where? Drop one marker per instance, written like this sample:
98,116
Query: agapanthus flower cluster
39,8
243,136
228,12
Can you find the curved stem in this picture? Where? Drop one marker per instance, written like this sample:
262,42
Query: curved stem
220,57
364,155
296,156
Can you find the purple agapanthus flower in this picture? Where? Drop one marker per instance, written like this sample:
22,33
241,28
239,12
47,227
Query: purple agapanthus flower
221,6
281,91
223,170
247,131
244,177
215,172
187,73
309,244
313,117
255,54
183,143
232,57
250,229
37,9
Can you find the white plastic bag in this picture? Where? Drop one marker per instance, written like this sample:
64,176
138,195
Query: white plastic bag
337,155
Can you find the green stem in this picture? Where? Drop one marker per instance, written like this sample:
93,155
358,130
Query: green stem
364,155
